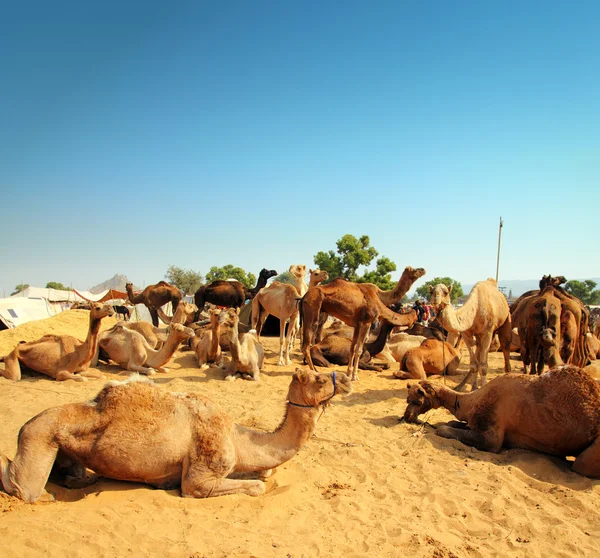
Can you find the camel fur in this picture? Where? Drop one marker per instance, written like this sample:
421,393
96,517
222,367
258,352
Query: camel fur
130,350
484,313
430,357
593,346
557,413
206,345
247,354
62,357
358,305
155,296
397,346
180,439
230,294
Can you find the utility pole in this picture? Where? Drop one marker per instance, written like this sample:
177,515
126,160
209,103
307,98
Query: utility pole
499,239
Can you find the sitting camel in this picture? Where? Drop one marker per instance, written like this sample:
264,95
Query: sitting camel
358,305
593,346
484,313
556,413
397,346
281,300
206,345
247,354
180,439
155,296
61,357
230,294
156,336
430,357
130,350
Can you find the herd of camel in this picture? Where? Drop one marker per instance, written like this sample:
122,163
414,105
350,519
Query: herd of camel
184,440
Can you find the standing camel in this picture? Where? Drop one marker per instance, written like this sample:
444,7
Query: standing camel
61,357
358,305
155,296
229,294
484,313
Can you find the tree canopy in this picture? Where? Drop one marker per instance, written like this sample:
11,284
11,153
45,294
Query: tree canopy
231,272
286,277
351,254
20,288
455,293
58,286
584,290
186,280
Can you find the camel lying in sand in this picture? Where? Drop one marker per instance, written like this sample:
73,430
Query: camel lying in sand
556,413
397,346
247,354
593,346
130,350
62,357
430,357
206,345
181,439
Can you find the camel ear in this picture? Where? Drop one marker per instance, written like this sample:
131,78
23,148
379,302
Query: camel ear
409,385
237,310
427,387
301,375
450,289
431,289
310,270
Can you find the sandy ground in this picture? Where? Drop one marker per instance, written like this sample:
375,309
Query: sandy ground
364,485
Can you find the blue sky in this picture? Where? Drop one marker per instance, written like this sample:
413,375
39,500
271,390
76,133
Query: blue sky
143,134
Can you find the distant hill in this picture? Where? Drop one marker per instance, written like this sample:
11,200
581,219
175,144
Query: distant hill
116,282
520,286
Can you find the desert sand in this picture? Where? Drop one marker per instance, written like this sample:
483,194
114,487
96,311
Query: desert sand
364,485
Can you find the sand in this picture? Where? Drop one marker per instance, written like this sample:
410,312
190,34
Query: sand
364,485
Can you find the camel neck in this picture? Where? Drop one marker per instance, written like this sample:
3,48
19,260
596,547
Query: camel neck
378,345
214,342
92,337
234,343
157,358
266,450
459,404
451,320
301,286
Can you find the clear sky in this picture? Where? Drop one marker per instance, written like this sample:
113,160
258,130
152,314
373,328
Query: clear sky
136,135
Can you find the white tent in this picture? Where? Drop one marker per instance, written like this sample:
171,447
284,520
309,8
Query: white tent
51,295
15,311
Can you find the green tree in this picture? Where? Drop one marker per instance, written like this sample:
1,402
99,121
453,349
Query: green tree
455,293
186,280
20,288
58,286
286,277
353,253
584,290
230,272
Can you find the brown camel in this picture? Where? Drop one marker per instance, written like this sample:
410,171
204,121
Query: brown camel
430,357
358,305
556,413
156,336
335,349
130,350
398,345
593,346
180,439
281,300
61,357
230,294
206,345
545,281
155,296
247,354
484,313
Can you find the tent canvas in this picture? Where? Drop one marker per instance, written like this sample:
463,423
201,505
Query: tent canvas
15,311
52,295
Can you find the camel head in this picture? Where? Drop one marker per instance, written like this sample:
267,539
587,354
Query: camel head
421,398
318,276
182,332
413,274
267,273
214,314
229,317
440,295
99,310
298,270
309,388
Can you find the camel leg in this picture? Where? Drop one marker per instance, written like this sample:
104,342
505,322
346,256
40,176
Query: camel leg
66,375
282,323
91,374
307,341
483,346
588,461
505,337
318,358
134,367
200,482
12,367
293,321
491,440
154,315
469,342
320,323
361,331
414,369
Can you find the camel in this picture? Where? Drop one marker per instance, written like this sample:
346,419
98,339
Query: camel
281,300
430,357
397,346
206,346
61,357
358,305
247,354
230,294
335,349
156,336
545,281
180,439
121,310
130,350
484,313
593,346
155,296
557,413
